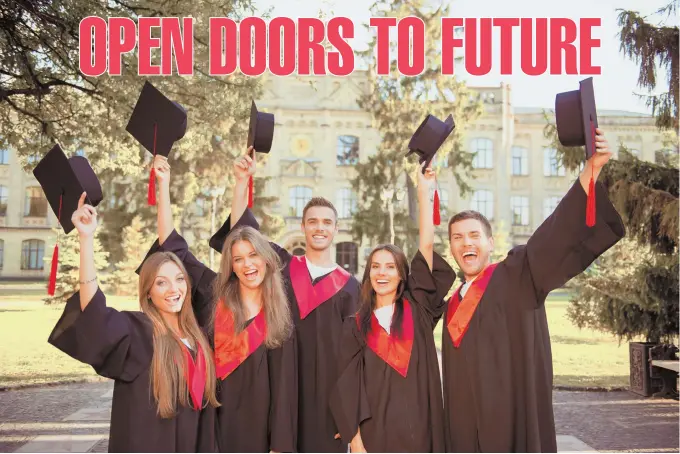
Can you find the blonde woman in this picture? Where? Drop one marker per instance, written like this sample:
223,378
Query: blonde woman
246,311
164,391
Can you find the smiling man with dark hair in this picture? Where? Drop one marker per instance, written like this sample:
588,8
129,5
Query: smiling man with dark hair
496,357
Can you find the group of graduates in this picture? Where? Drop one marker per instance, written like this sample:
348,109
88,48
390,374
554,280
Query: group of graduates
284,353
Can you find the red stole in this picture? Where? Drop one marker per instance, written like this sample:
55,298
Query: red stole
395,351
309,296
230,349
461,312
194,375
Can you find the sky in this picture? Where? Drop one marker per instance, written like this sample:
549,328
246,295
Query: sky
614,88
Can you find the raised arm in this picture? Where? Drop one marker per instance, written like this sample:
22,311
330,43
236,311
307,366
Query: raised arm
85,221
425,224
244,169
563,245
170,240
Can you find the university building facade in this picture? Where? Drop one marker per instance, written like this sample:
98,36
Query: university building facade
320,133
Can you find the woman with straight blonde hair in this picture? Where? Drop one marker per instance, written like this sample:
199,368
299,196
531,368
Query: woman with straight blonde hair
164,393
245,309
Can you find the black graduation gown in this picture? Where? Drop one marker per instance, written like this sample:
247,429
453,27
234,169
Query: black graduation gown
397,413
318,342
498,382
119,345
258,411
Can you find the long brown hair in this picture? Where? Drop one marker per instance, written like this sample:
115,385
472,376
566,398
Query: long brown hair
169,363
274,301
367,295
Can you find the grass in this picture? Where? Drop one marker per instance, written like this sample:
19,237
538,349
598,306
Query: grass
26,357
582,358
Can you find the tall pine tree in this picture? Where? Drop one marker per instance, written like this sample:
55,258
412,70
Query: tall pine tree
397,105
633,289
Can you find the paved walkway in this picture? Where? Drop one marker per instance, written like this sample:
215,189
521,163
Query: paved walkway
75,418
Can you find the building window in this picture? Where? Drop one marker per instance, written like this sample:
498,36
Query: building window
551,165
347,203
348,150
32,252
549,205
2,253
298,198
483,150
520,210
35,204
520,161
4,156
346,256
482,201
33,158
3,200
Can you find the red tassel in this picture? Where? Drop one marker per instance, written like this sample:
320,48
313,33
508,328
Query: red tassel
250,192
53,273
151,196
435,211
590,205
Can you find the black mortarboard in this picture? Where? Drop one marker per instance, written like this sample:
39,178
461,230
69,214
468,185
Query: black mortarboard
156,115
64,180
260,130
576,121
429,136
260,137
425,142
576,117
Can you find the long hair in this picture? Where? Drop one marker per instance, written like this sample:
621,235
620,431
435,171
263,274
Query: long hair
367,295
226,289
168,364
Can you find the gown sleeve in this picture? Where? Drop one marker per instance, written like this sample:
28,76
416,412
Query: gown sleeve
283,379
118,345
564,246
428,288
201,276
248,219
348,400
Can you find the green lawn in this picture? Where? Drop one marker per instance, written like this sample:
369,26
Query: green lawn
25,356
580,357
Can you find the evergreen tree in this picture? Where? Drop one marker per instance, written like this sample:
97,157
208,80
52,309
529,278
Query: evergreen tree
397,105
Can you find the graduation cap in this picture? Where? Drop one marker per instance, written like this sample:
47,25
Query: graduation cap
157,123
260,137
425,142
576,121
63,181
